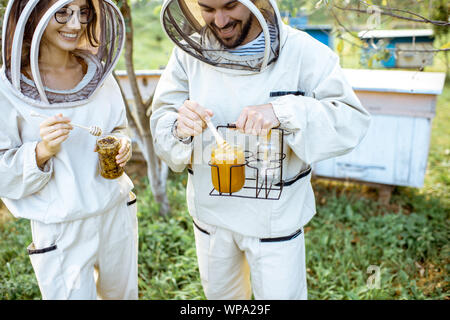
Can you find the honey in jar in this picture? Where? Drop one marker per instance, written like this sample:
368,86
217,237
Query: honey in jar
108,147
228,168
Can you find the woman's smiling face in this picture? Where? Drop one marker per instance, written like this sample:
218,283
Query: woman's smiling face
66,36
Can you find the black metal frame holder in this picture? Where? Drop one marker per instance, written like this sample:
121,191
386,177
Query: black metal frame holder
262,189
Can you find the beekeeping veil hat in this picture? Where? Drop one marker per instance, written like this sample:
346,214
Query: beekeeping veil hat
107,28
183,22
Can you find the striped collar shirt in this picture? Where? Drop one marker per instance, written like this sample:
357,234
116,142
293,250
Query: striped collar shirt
255,46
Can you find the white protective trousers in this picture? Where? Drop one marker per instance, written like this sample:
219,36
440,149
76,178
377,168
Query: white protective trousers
227,260
88,259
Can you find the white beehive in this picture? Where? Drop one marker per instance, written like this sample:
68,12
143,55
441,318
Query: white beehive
395,149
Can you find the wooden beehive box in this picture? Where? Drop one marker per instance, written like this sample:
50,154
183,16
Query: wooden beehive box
146,79
395,149
411,48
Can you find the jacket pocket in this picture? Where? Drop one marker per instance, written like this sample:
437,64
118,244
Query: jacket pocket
45,257
32,250
285,93
203,234
45,237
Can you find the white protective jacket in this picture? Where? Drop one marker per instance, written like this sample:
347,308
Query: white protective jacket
70,186
316,106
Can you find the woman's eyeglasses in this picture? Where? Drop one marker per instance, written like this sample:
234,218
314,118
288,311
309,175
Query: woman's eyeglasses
63,15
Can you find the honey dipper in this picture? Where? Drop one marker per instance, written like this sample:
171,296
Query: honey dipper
94,130
219,140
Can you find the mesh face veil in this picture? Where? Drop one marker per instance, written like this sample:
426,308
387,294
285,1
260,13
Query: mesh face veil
183,22
100,45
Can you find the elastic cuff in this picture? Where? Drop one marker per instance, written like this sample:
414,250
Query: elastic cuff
282,115
186,140
287,110
119,135
31,163
47,166
280,111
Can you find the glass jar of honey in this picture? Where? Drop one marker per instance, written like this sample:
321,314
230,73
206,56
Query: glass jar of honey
228,168
107,148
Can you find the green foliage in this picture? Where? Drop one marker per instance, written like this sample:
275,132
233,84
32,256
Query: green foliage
17,280
294,6
350,233
167,259
441,12
151,47
438,179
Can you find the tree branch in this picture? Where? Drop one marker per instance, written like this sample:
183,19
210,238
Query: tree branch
387,11
338,21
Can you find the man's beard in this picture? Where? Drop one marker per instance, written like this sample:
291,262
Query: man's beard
244,32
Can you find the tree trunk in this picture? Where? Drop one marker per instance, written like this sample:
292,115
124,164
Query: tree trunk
157,170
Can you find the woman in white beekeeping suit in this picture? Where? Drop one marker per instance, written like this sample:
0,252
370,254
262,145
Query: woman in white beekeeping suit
57,62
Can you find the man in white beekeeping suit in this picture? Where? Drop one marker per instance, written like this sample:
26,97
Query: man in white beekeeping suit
235,62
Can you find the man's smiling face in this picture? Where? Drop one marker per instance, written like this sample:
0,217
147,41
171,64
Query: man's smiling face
231,21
